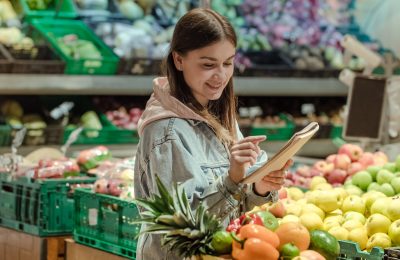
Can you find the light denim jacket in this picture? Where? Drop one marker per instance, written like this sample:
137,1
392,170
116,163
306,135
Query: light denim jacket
187,151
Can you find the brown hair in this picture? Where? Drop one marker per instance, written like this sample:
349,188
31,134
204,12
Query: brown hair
197,29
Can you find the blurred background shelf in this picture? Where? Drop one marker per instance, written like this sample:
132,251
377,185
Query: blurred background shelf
29,84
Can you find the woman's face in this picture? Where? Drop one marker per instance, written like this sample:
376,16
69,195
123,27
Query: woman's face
207,70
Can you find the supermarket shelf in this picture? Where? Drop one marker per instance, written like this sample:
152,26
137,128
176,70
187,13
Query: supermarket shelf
28,84
317,148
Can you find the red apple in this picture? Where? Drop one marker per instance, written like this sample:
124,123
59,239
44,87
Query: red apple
288,183
353,151
366,159
277,209
101,186
337,176
380,158
304,171
323,167
331,158
355,167
282,193
115,187
342,161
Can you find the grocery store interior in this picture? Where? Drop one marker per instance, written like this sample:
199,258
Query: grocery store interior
75,78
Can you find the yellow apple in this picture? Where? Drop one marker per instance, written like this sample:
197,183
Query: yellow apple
330,223
353,190
302,201
354,215
342,193
379,240
353,203
352,224
339,232
289,218
311,196
370,197
394,232
393,209
377,223
380,206
327,200
360,236
292,207
295,193
323,186
316,180
309,207
311,221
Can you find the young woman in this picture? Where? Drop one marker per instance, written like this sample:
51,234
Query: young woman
189,134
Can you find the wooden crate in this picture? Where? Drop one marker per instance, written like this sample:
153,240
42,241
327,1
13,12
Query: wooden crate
15,245
77,251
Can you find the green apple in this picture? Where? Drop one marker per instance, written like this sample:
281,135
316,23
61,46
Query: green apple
397,174
362,179
360,236
339,232
393,209
373,170
353,203
380,206
394,232
397,162
374,186
395,182
347,182
384,176
354,215
387,189
370,197
390,166
377,223
379,240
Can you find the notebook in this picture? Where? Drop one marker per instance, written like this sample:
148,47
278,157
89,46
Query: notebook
284,154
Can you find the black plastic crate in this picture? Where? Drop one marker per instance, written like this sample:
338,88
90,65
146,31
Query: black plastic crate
392,253
139,66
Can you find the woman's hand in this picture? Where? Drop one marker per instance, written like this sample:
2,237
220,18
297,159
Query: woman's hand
244,154
273,181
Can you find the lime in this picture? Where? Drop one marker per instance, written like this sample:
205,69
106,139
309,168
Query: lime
324,243
289,251
222,242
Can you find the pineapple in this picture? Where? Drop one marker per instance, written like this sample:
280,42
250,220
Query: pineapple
187,233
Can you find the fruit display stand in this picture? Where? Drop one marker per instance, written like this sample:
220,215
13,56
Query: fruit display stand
350,250
15,245
53,30
38,207
108,134
56,8
106,222
5,60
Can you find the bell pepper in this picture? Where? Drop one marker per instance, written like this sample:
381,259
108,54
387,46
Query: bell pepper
245,219
255,242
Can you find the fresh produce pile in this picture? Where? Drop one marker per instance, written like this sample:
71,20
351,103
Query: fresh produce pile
256,235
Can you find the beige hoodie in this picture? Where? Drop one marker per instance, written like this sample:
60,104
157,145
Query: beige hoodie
162,105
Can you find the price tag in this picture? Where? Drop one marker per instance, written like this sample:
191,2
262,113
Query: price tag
93,214
61,110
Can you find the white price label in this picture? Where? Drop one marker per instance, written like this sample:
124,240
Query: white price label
93,214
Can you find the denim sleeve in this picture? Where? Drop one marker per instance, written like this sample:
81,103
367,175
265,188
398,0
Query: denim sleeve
173,163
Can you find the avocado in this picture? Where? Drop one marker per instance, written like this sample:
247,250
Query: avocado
325,244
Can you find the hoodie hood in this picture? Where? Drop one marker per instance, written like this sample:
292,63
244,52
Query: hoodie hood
162,105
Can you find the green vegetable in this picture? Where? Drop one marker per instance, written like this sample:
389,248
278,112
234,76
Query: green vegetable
289,251
325,244
222,242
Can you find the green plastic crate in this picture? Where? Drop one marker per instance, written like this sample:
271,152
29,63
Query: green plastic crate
38,207
276,132
5,135
53,29
109,134
351,251
66,10
105,222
